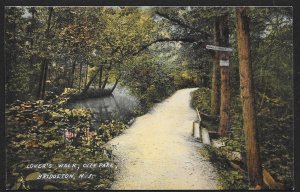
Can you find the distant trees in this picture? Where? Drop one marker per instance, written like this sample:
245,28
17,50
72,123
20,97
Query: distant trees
78,46
14,52
45,60
148,79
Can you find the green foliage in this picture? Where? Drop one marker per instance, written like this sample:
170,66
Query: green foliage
17,71
201,99
35,135
276,117
273,80
109,130
237,140
185,79
148,80
77,38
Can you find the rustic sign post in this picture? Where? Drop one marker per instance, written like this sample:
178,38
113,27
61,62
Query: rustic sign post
225,88
218,48
225,95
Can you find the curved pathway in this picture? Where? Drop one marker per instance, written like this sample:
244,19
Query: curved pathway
158,151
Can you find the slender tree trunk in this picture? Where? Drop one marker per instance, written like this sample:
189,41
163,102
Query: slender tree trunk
100,76
225,81
33,78
115,85
80,78
95,83
86,74
44,68
215,101
106,77
73,73
31,33
40,88
247,96
44,79
105,82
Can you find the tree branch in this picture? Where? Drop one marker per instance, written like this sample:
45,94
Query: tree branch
181,23
143,47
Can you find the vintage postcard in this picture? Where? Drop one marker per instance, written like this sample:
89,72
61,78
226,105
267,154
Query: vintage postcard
149,97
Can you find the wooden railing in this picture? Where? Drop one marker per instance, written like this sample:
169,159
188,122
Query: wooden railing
198,131
200,125
197,126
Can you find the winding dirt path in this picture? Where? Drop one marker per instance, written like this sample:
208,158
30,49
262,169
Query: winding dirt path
158,151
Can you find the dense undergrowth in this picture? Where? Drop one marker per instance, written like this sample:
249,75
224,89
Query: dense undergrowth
35,135
275,131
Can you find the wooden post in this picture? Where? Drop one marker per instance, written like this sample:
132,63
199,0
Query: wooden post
200,125
224,72
193,131
225,102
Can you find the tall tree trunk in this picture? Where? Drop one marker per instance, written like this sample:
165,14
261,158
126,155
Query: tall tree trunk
80,78
40,87
100,76
73,73
105,82
247,96
44,68
215,94
33,78
44,79
225,81
86,74
33,11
